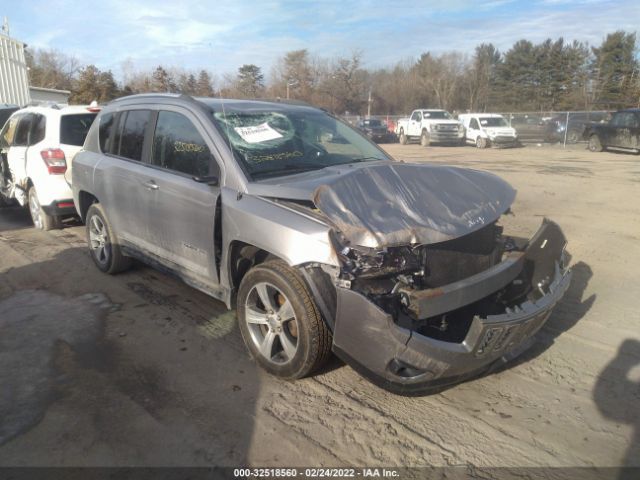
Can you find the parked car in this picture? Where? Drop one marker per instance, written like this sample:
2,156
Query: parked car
37,146
430,126
529,128
488,129
574,130
319,239
375,130
622,131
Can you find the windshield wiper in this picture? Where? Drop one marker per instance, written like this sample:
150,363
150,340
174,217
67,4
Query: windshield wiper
291,169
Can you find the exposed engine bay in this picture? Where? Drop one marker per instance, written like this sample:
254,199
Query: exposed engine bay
397,278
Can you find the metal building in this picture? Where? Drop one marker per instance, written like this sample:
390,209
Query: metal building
14,79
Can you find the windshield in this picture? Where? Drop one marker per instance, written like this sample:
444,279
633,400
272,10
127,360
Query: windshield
493,122
438,115
276,143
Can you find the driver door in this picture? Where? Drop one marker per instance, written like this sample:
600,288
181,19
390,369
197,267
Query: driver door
181,196
415,124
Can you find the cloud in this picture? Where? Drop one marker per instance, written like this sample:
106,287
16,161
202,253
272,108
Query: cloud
223,35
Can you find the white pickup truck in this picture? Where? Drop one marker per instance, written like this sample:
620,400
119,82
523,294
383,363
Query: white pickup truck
430,126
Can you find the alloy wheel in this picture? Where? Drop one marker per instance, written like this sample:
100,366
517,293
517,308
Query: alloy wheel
99,240
34,209
272,323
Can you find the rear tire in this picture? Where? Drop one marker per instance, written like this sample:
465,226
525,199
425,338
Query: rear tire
103,244
594,144
280,323
424,139
402,138
41,219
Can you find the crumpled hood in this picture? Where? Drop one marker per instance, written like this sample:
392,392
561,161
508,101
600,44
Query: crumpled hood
392,203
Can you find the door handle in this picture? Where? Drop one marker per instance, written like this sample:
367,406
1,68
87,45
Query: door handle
151,185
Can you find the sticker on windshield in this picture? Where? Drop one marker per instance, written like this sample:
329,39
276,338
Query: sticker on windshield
258,133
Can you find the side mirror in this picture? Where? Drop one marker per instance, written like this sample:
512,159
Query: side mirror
208,179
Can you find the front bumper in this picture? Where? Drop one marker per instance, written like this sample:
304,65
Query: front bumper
404,361
446,136
504,141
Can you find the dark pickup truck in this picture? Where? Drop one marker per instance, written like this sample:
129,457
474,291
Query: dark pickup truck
622,131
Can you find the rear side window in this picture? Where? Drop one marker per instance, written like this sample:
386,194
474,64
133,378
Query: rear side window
38,129
22,132
106,131
473,124
131,136
178,146
74,128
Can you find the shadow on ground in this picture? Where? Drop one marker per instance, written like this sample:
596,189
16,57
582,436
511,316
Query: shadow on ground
94,374
617,396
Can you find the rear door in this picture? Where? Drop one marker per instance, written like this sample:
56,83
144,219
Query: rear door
626,124
17,153
182,211
125,138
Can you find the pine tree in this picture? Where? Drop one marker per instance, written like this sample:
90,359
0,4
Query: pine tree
250,81
162,81
615,70
203,86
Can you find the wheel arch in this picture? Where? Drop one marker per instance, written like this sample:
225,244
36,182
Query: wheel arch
85,200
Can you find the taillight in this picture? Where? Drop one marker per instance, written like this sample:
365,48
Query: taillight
55,161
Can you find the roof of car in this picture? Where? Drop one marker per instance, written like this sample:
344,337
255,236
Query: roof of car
217,104
635,110
489,115
57,109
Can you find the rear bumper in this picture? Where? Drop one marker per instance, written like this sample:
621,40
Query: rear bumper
60,208
404,361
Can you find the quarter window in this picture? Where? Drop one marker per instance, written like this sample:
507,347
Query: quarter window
132,134
178,146
106,131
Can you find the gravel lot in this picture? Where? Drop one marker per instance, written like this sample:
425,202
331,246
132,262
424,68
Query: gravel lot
140,369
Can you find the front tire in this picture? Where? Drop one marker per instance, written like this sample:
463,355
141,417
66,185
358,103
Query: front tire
594,144
41,219
424,139
280,323
481,142
402,138
103,246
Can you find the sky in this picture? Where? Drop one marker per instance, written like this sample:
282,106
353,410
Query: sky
221,35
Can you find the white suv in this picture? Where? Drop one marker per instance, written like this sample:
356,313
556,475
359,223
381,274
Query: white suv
37,146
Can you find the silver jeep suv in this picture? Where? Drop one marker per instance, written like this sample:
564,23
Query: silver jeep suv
318,238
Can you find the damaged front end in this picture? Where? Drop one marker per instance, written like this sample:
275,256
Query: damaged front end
412,318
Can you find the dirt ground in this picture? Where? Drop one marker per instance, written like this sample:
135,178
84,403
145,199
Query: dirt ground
140,369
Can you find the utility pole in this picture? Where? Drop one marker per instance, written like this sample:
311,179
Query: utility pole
290,83
369,104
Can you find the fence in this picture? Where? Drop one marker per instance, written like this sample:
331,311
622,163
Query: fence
532,127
